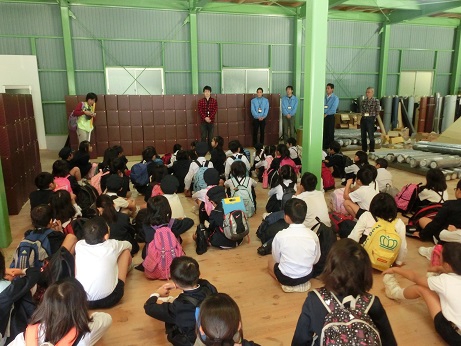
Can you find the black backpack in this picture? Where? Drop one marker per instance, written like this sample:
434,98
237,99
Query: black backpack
288,193
60,266
86,199
201,239
326,239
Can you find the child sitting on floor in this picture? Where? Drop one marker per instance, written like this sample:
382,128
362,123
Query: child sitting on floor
440,292
357,200
295,250
45,185
179,313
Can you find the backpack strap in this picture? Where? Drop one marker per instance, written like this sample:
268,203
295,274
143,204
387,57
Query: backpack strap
194,301
31,336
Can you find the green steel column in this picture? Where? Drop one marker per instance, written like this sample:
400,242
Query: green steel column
384,59
297,63
314,82
5,231
68,53
456,64
194,51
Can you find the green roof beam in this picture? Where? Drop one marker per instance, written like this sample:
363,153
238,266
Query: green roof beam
384,59
68,52
425,10
334,3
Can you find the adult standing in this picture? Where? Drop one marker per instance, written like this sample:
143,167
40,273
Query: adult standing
330,107
207,108
259,111
85,113
370,110
289,107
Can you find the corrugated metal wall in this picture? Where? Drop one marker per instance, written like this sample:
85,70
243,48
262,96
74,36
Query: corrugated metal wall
110,36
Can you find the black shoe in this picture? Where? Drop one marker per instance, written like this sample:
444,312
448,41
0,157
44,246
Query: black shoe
410,230
264,249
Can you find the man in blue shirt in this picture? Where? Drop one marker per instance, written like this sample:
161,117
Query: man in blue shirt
289,106
259,111
330,108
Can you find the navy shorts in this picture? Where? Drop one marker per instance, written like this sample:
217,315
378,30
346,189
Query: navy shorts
447,330
111,299
287,281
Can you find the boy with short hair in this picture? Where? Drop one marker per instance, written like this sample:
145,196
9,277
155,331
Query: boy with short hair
357,199
179,314
384,177
201,148
335,160
234,147
101,264
114,184
45,185
67,155
295,250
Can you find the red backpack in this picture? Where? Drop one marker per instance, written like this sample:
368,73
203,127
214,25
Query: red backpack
327,177
160,253
167,158
429,211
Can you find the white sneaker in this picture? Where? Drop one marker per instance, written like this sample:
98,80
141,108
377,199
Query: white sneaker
426,251
299,288
392,287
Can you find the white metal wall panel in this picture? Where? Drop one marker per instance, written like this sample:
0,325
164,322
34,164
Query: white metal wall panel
392,85
55,118
358,34
50,53
126,23
421,37
88,55
30,19
208,57
240,28
280,81
241,55
352,60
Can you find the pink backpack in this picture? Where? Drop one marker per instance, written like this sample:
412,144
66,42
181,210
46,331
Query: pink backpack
62,183
266,172
96,180
209,207
156,191
289,162
406,198
160,253
436,257
337,201
327,177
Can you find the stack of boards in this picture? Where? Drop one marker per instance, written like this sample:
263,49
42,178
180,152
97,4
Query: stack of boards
435,113
350,139
425,155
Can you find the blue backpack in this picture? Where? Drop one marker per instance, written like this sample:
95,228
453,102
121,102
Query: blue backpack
199,181
139,175
33,250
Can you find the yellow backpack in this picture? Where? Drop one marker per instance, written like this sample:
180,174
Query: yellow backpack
383,244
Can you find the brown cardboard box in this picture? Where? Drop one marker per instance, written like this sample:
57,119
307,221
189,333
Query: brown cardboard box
395,140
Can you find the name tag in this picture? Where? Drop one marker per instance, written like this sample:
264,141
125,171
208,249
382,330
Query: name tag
208,112
325,107
289,107
366,115
260,110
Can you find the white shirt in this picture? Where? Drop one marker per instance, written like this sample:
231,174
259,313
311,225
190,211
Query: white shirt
448,286
295,151
296,249
230,183
193,168
119,202
366,222
100,324
432,196
230,160
384,177
278,190
363,196
177,210
265,163
316,207
96,266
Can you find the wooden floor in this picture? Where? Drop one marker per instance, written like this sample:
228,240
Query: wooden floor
269,315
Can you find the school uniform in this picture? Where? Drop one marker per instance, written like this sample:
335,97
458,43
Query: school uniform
119,202
177,210
363,228
82,161
96,269
179,316
218,157
123,230
230,160
313,313
38,197
431,196
449,214
295,250
448,321
16,304
383,178
363,196
316,207
294,154
193,168
180,169
337,162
